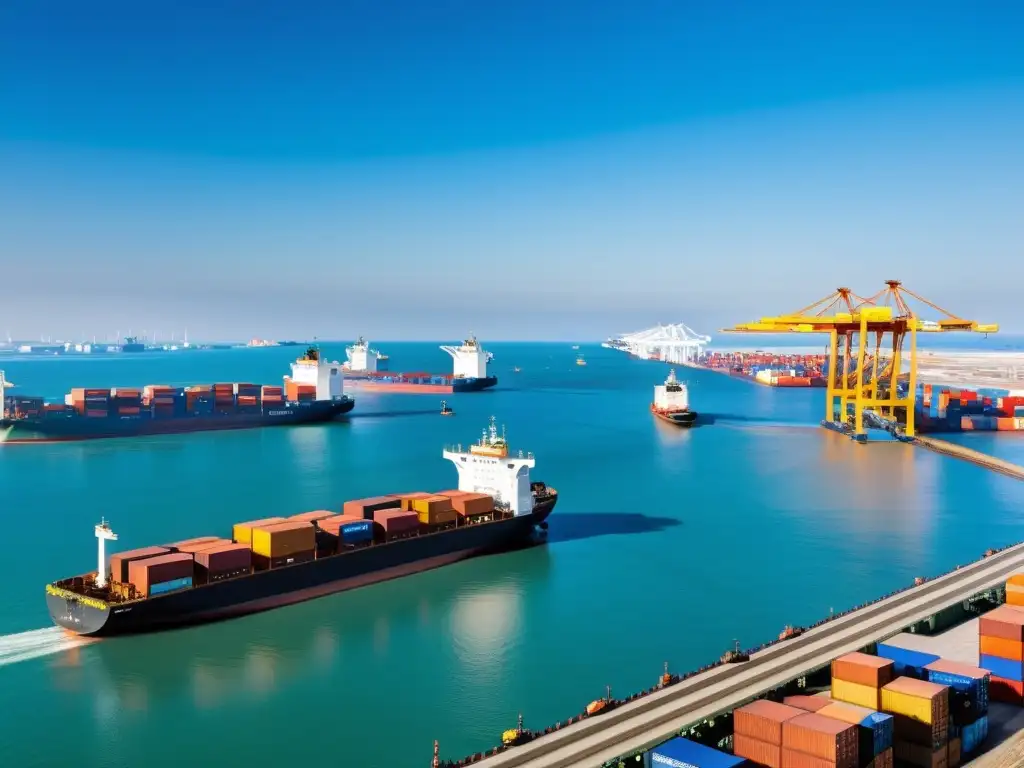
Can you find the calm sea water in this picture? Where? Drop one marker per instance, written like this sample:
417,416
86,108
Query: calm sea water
666,545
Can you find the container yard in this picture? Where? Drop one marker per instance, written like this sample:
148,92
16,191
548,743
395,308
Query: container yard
769,368
947,409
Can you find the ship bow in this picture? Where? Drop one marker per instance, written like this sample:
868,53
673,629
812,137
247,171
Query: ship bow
78,614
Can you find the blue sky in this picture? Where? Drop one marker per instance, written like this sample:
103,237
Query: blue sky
524,170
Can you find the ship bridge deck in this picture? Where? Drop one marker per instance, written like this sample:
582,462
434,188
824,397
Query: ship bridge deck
651,720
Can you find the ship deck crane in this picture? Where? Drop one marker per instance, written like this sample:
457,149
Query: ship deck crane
845,315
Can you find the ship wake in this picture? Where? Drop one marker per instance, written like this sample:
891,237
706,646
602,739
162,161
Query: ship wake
37,643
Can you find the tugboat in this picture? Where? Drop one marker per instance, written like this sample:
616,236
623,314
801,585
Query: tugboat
513,737
667,679
672,402
735,656
790,631
580,360
445,410
598,706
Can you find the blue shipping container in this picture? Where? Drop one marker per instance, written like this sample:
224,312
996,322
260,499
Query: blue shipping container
882,728
976,688
683,753
170,586
1006,668
906,663
971,736
354,533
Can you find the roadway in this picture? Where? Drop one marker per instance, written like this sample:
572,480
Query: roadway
648,721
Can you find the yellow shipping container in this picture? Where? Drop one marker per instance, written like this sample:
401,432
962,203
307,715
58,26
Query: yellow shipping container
438,516
431,504
285,539
915,699
407,499
242,532
854,693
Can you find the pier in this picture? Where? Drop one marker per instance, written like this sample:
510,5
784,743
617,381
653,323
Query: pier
650,720
969,454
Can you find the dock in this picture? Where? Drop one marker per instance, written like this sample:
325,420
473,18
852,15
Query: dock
969,454
646,722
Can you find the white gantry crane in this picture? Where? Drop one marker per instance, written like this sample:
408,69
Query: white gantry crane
677,343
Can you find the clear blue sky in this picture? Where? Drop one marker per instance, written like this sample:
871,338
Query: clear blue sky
520,169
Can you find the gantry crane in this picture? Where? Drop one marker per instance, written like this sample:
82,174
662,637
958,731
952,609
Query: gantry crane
885,313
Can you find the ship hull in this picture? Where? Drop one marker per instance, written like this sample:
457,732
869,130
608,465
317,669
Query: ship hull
287,585
366,384
683,419
74,427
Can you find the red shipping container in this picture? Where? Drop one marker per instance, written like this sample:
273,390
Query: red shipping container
807,703
822,737
758,752
143,574
1005,621
119,562
225,558
396,520
762,720
1006,691
862,669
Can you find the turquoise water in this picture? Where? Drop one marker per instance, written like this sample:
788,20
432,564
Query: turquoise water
665,545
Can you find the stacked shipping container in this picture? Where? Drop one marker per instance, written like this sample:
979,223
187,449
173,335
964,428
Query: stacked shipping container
921,721
874,732
683,752
948,409
968,704
858,678
1001,651
757,731
771,369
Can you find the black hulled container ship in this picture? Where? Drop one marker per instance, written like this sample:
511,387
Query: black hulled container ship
279,561
313,393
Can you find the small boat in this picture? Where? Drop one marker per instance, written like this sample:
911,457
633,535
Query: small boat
445,410
575,347
580,360
735,656
517,369
672,402
599,706
513,737
790,631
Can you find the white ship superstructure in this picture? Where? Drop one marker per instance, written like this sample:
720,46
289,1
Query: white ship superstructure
327,377
470,360
363,359
487,467
672,395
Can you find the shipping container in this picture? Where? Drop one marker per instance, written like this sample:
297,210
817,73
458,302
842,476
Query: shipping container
396,521
119,562
998,646
917,699
931,735
862,669
148,574
758,752
807,703
953,752
206,543
261,563
1015,595
680,751
311,517
365,508
964,678
906,662
823,737
242,532
916,755
973,736
763,720
861,695
453,493
793,759
875,729
1005,621
883,760
1006,691
429,506
223,559
283,539
445,517
173,585
469,504
1008,669
406,499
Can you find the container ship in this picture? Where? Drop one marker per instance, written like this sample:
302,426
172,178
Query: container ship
313,393
469,374
672,402
278,561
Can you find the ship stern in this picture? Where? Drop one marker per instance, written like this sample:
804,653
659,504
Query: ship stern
77,613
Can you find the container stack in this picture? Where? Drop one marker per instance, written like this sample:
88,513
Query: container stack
757,731
874,732
680,751
921,721
858,679
224,398
285,543
126,402
807,703
364,508
299,393
1015,591
199,400
159,575
470,505
242,532
968,705
161,399
247,398
906,662
406,499
222,560
96,403
341,532
272,396
435,510
397,523
120,561
822,742
1001,651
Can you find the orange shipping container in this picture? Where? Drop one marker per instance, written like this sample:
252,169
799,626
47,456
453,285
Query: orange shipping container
311,517
473,504
1004,649
763,720
793,759
862,669
758,752
807,703
364,508
452,494
200,546
1005,621
1015,595
823,737
848,713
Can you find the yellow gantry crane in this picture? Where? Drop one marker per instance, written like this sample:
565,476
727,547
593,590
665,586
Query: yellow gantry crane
868,380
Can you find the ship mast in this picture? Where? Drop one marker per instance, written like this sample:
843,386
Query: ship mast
103,535
4,384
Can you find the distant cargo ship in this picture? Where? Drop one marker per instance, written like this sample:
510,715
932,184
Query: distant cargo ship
132,344
469,373
672,402
313,393
277,561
